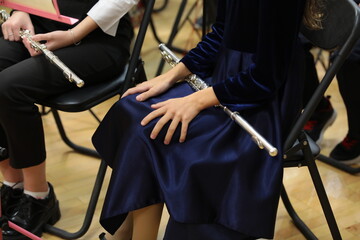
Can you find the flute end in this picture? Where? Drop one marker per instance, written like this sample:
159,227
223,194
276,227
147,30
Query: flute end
273,152
80,84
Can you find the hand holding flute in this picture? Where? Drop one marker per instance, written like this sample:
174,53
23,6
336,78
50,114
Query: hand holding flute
38,47
198,84
21,20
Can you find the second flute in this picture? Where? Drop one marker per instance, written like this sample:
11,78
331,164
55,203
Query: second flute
68,74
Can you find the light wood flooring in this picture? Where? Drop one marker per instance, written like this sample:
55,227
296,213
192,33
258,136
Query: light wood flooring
73,174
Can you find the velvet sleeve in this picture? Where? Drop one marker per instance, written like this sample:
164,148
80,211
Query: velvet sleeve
202,59
278,23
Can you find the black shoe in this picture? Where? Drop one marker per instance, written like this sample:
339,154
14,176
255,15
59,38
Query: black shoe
32,214
10,198
347,151
320,120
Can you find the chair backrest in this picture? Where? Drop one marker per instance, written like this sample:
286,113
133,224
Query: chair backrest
340,31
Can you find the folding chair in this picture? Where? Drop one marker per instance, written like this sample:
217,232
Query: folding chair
84,99
341,30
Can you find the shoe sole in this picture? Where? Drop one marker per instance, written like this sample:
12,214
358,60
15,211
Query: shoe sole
327,124
350,161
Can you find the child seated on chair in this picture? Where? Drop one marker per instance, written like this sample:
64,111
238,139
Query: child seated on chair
95,48
169,144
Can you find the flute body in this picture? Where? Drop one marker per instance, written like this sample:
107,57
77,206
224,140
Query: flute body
3,15
68,74
198,84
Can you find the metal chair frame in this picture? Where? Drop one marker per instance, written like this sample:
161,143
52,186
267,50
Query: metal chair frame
341,30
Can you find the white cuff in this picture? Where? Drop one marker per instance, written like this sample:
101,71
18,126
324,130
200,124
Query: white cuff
107,13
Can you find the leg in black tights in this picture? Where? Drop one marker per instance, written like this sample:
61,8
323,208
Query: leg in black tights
348,150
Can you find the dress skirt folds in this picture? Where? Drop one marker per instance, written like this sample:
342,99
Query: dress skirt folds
217,176
217,184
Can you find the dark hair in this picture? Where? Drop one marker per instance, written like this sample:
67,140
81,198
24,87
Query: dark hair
313,13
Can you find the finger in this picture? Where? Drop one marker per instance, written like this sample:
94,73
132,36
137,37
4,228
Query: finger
27,45
159,104
171,130
17,36
158,126
40,37
151,116
183,133
15,32
35,53
10,33
137,89
4,30
11,36
30,48
145,95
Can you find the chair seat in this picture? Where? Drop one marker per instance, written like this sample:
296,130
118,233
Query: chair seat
295,159
81,99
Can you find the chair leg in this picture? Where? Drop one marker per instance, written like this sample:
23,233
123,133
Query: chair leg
90,210
76,147
339,165
320,190
308,234
94,115
43,111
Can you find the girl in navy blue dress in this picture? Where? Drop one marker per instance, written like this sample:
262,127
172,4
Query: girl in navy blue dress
169,144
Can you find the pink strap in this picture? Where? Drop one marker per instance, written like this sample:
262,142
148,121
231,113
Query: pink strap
23,231
57,17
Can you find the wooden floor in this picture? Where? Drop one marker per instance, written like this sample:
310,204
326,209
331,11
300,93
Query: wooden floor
73,174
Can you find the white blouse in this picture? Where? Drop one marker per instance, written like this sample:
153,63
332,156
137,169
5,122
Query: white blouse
107,13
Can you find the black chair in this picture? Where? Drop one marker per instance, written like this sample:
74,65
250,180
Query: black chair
341,30
84,99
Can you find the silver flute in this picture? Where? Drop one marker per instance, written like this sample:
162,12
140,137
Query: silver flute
198,84
69,75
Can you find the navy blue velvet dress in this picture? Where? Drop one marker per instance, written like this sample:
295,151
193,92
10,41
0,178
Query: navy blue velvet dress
218,176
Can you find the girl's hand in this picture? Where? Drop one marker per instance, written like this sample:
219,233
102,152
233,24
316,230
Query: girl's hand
18,21
150,88
159,84
53,40
179,110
